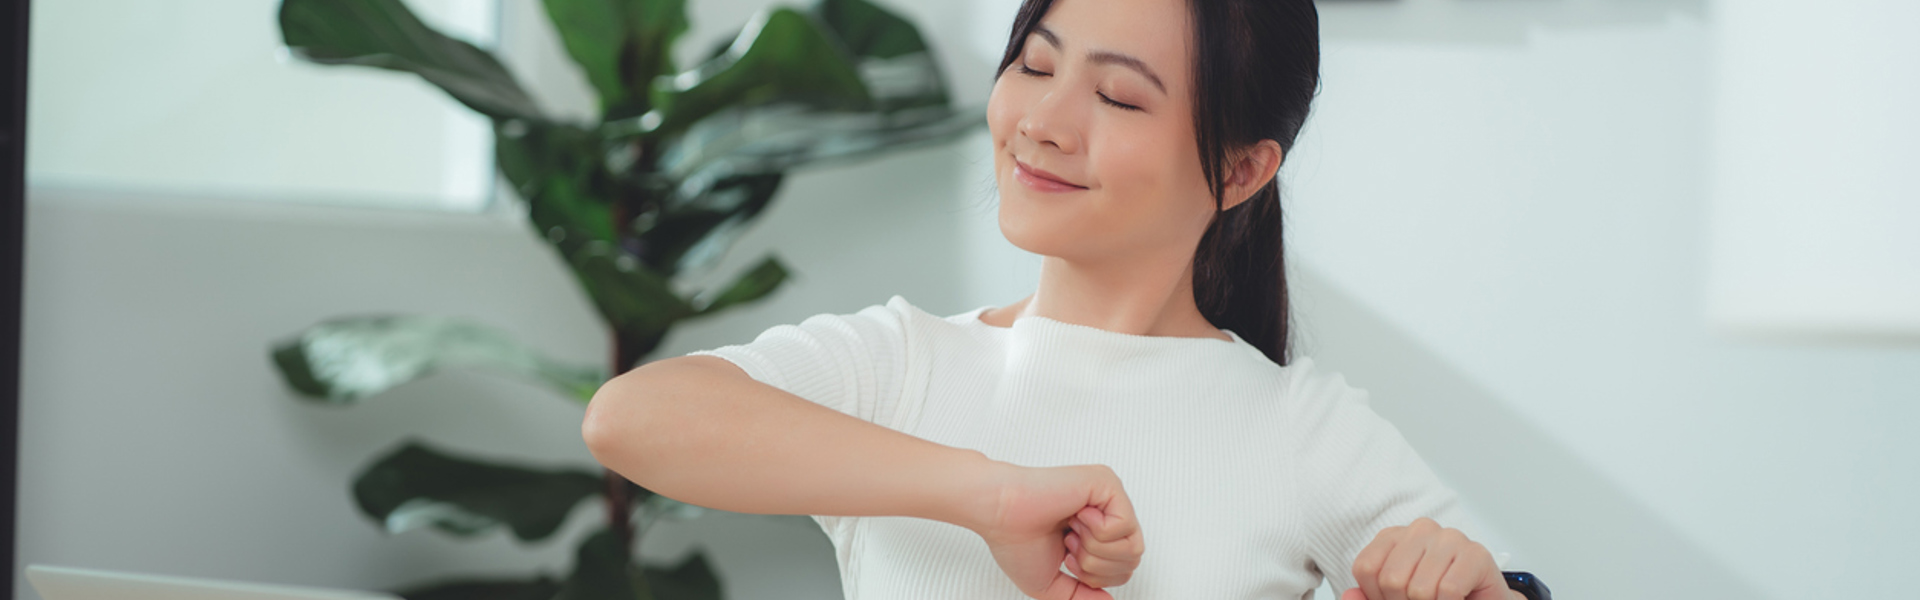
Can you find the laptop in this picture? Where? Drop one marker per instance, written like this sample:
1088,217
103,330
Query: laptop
63,583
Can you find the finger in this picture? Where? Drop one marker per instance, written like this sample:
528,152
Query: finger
1095,571
1425,584
1353,594
1397,572
1072,564
1124,550
1483,579
1114,518
1087,593
1372,559
1108,524
1063,587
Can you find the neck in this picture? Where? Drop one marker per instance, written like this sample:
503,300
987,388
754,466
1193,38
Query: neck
1136,296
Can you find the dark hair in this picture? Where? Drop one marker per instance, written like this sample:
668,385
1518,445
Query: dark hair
1256,68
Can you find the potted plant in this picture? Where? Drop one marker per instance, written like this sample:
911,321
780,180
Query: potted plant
678,164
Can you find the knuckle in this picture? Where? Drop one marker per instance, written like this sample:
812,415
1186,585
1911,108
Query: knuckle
1453,589
1420,593
1366,566
1394,581
1366,569
1389,533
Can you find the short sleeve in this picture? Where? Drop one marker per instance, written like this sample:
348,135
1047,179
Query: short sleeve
855,363
1362,475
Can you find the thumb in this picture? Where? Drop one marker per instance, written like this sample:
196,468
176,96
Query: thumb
1353,594
1493,587
1065,587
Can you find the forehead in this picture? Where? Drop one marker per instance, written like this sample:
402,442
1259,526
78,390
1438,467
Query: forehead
1155,31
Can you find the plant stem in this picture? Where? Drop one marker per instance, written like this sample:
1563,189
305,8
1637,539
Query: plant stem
619,508
617,492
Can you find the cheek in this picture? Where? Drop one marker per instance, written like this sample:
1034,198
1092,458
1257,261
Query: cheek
1154,182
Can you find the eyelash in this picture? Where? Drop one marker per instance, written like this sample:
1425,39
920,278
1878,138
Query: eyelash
1028,71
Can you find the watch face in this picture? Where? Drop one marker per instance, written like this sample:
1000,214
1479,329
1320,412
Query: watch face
1527,585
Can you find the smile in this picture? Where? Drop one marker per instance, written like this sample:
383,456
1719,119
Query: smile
1041,180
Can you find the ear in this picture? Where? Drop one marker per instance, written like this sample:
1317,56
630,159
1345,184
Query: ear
1252,169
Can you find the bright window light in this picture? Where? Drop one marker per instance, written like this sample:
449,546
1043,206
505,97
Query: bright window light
200,99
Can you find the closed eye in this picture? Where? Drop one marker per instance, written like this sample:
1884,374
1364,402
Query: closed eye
1111,102
1023,69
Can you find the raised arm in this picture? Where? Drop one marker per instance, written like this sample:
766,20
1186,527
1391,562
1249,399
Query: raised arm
699,430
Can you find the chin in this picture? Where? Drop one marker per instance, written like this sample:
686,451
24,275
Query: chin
1038,228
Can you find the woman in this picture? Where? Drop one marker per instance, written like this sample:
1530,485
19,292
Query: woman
973,456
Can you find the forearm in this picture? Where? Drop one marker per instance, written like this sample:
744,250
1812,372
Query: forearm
699,430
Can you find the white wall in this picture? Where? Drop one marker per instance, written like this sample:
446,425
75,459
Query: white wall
1507,241
1499,224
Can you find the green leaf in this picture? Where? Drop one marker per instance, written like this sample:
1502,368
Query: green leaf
753,285
692,579
384,34
695,231
782,55
868,30
345,359
635,300
553,168
895,62
539,588
621,45
601,571
417,486
775,139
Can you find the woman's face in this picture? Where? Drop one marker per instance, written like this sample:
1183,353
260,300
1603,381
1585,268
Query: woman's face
1094,147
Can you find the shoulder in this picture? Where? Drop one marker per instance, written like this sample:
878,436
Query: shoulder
1309,384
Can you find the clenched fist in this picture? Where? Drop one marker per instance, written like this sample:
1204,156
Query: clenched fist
1078,515
1424,561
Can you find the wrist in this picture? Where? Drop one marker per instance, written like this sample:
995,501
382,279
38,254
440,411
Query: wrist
983,482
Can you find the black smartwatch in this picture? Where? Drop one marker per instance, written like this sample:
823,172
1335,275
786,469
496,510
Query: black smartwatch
1527,585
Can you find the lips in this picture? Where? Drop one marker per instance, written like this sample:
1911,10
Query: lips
1042,180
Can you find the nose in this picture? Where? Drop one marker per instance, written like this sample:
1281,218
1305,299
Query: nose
1050,122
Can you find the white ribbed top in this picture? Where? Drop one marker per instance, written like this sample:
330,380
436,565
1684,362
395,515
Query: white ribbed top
1250,480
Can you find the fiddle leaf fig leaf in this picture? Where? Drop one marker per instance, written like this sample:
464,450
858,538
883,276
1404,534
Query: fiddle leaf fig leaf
384,34
621,45
894,61
868,30
635,300
602,571
782,55
417,486
549,166
538,588
344,360
692,579
753,285
694,231
778,138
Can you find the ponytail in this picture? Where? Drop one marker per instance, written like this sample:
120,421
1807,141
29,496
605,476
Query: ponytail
1239,274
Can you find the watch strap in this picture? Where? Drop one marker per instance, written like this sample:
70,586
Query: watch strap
1527,585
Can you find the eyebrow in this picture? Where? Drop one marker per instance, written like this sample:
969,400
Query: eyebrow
1104,57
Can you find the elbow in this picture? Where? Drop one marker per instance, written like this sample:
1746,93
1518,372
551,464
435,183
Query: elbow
615,417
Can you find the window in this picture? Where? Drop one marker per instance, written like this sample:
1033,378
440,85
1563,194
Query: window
200,98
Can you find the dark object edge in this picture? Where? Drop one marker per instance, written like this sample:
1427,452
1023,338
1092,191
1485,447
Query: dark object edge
13,160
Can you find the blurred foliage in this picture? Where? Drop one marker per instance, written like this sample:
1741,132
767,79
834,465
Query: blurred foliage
677,166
